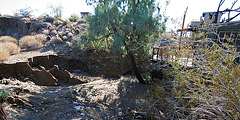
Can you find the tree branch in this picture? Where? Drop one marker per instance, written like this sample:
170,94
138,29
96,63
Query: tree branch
105,36
235,1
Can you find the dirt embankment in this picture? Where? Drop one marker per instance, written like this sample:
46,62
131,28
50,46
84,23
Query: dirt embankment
15,27
102,99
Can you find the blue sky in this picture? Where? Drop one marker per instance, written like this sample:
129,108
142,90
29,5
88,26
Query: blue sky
174,10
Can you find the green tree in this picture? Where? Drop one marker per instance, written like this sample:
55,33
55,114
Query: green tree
129,23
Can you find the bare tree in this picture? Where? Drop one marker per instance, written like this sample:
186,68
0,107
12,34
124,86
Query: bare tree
235,1
216,16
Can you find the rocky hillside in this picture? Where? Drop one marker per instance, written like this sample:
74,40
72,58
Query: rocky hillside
18,27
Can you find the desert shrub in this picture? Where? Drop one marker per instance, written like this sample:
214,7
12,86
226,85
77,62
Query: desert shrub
56,40
10,47
8,39
30,42
40,37
74,18
4,55
66,22
4,94
82,20
209,89
46,18
25,12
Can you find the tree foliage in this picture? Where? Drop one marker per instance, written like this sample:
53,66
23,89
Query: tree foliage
56,11
125,25
132,22
4,95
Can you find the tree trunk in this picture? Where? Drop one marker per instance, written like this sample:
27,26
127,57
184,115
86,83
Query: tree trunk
134,66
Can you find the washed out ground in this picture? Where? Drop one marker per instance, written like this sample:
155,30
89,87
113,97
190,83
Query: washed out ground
100,98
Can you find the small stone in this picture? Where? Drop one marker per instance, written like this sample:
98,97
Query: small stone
82,114
64,37
120,113
46,32
79,107
70,35
75,103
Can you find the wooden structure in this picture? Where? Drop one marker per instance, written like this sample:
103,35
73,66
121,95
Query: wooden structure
84,14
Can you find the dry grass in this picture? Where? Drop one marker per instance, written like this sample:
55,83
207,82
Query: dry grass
8,46
40,37
8,39
4,55
30,42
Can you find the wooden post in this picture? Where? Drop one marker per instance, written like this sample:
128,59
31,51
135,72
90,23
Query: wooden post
183,25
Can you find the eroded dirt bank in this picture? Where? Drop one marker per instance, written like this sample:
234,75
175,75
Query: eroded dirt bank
100,99
49,70
47,86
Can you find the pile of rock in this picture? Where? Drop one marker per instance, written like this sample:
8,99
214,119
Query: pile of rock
58,31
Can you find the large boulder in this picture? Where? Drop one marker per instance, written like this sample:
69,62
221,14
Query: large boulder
64,76
43,77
